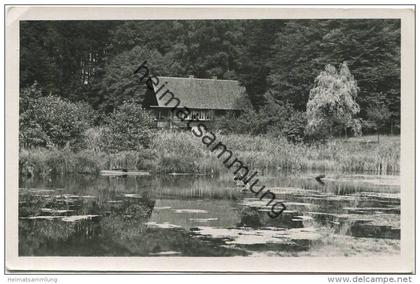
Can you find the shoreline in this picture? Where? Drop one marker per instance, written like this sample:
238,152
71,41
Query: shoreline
181,153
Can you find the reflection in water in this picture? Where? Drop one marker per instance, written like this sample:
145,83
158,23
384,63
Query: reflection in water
209,216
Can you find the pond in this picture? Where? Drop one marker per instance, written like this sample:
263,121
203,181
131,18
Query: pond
346,215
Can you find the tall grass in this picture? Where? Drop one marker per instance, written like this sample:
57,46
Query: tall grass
46,162
183,152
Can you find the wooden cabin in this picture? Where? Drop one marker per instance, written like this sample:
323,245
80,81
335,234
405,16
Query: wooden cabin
207,100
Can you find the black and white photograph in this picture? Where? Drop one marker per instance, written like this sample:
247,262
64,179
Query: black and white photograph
221,137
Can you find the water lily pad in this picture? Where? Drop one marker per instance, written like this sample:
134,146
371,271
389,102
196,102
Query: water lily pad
164,225
191,211
75,218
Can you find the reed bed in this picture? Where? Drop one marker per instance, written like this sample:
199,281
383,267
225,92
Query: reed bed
264,152
49,162
182,152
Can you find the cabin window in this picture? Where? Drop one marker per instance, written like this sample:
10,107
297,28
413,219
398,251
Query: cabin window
189,116
202,115
194,115
209,115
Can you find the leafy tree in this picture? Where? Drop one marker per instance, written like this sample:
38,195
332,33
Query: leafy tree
295,61
332,101
378,116
36,64
207,49
372,50
126,35
120,84
371,47
200,48
129,127
64,57
255,58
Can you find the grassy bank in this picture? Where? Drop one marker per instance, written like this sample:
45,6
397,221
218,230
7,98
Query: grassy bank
183,152
353,154
49,162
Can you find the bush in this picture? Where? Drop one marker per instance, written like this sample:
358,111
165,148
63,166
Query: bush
248,122
226,124
94,138
294,128
273,115
271,118
52,121
28,95
129,128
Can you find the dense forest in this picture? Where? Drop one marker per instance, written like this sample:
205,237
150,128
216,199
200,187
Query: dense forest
276,60
308,82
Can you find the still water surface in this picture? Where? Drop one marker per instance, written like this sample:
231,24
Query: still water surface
349,215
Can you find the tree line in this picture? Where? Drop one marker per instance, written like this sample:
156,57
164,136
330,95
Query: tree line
277,61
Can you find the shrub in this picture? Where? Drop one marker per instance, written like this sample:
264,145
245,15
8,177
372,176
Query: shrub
226,124
31,133
28,95
129,128
294,128
51,120
271,118
93,139
250,122
273,115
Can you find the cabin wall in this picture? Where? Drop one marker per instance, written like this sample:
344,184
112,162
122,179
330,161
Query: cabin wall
166,118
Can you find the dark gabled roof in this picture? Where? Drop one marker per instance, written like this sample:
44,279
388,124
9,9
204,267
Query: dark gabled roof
201,93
